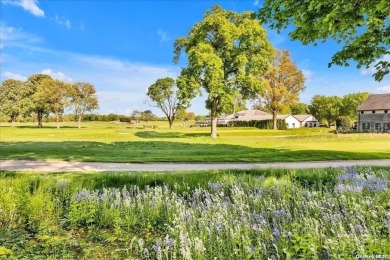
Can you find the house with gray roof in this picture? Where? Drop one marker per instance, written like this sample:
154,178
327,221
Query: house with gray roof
373,114
292,121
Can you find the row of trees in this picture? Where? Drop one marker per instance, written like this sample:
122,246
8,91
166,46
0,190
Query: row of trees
42,95
329,108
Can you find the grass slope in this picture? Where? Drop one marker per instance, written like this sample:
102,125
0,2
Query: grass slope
114,142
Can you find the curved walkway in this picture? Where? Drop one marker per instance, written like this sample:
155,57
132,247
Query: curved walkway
61,166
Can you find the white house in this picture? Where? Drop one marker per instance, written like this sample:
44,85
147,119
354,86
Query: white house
291,121
307,121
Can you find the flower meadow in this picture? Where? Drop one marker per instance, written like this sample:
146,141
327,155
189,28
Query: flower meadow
258,214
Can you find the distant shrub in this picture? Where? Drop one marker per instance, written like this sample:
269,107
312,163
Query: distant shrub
343,123
261,124
125,119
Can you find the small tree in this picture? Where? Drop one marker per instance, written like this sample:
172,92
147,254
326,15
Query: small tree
148,115
168,97
283,83
83,99
136,115
56,95
41,105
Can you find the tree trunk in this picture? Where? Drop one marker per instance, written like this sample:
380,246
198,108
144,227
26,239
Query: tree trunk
170,121
213,127
213,117
79,120
13,121
275,119
39,117
58,120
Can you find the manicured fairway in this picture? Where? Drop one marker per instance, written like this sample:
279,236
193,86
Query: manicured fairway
117,142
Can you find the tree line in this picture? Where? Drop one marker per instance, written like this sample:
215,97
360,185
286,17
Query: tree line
42,95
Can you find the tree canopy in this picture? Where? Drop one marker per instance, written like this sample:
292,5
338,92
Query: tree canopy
326,108
83,99
168,97
362,26
226,52
14,99
283,83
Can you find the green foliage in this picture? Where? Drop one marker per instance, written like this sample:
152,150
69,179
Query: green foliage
351,102
261,124
37,83
325,108
363,27
168,97
255,214
83,99
343,123
148,115
14,99
227,53
299,109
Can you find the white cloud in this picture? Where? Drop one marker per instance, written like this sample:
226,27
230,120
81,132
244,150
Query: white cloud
56,75
10,36
10,75
163,36
62,21
28,5
256,3
308,74
384,89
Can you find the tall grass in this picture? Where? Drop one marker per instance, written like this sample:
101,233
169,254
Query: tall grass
257,214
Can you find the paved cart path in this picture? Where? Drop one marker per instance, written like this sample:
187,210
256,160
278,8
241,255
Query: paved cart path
61,166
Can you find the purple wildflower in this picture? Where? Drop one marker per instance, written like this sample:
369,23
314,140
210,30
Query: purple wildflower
276,233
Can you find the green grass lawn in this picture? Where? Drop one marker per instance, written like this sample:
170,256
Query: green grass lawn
121,142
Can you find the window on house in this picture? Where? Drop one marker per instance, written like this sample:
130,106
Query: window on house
386,126
361,112
373,111
366,126
305,124
386,111
378,126
293,124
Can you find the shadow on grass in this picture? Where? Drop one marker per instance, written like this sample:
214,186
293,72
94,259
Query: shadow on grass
159,135
166,151
36,127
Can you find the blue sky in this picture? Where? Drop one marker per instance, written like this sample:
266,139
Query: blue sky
122,47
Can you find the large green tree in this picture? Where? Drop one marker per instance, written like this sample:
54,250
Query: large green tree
362,26
226,52
168,97
83,99
351,102
283,83
41,104
15,99
326,108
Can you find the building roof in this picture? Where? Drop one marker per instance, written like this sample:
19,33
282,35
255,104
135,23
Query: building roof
376,102
252,113
301,118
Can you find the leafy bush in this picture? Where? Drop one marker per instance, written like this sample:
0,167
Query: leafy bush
343,123
261,124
